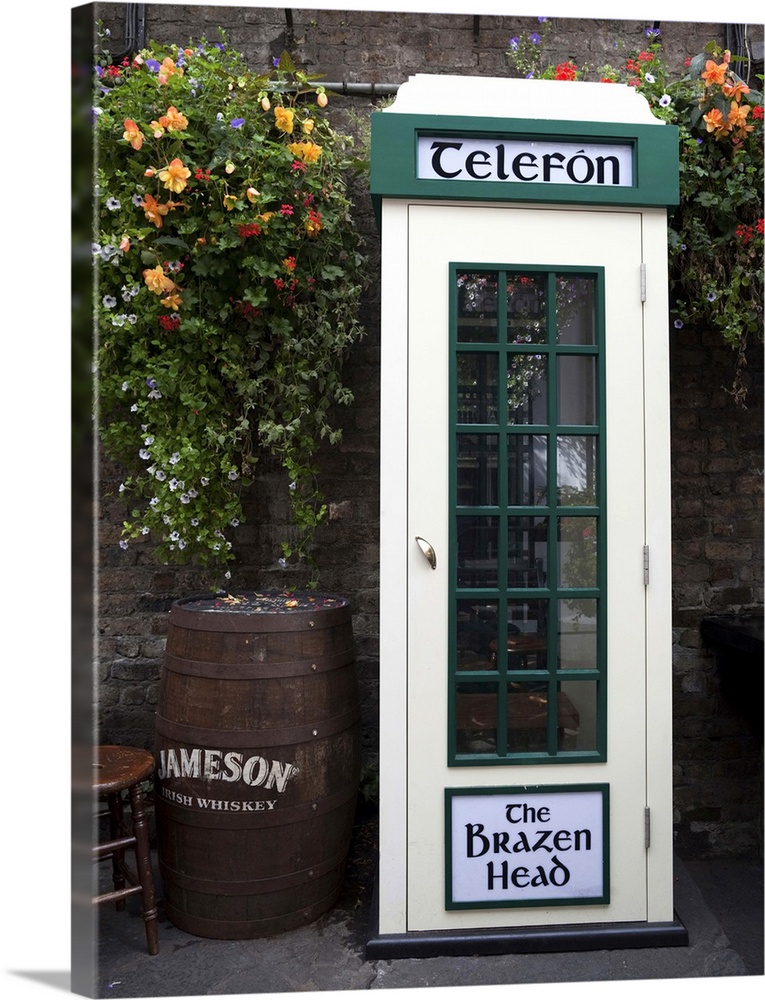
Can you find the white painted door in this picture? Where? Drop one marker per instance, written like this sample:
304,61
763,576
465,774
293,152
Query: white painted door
457,626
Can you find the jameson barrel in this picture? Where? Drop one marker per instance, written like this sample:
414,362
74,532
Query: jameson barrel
258,753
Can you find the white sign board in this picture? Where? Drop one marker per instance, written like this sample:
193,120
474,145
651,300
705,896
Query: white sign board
526,847
524,161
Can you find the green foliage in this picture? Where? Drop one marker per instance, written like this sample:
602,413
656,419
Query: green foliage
716,233
229,275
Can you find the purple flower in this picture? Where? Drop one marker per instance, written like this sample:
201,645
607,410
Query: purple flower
513,43
652,32
152,383
275,61
535,38
541,20
153,65
237,122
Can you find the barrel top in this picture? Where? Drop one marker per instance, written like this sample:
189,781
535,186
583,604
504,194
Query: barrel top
271,602
283,609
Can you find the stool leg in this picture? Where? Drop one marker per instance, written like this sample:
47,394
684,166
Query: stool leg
117,829
143,865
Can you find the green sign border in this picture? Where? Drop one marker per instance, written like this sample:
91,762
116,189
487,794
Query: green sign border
393,173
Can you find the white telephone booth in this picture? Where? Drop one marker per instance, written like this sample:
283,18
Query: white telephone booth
525,661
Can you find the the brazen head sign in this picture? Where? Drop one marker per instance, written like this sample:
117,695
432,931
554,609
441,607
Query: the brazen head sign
526,847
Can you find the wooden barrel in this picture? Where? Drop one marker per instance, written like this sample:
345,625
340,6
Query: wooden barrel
258,753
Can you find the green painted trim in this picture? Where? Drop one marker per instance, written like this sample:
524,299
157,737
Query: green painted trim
511,904
656,165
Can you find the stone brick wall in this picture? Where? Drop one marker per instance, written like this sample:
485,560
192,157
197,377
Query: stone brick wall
717,452
717,568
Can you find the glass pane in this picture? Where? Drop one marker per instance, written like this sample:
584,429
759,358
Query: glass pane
526,310
476,719
577,715
476,635
477,540
477,470
577,552
526,389
576,470
526,717
578,634
575,309
527,635
527,552
526,470
477,308
576,389
477,388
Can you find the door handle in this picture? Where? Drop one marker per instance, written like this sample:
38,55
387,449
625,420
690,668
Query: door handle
427,550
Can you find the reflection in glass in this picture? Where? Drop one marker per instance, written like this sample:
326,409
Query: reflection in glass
476,631
526,717
476,719
477,470
576,389
526,389
477,541
578,634
526,635
576,470
575,309
527,551
477,307
526,309
577,552
477,388
577,715
526,470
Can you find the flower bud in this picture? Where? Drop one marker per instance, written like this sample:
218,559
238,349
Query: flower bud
322,100
265,104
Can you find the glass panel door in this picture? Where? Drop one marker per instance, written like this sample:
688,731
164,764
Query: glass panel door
527,619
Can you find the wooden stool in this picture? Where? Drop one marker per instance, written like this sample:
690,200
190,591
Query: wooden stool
116,769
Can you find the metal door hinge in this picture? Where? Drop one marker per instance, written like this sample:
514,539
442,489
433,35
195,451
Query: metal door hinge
646,565
647,827
642,283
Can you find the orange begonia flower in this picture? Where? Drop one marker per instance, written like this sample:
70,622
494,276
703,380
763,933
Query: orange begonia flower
167,69
252,193
125,244
308,125
153,210
715,121
737,119
309,152
174,176
174,120
736,90
172,301
714,73
157,281
132,134
284,119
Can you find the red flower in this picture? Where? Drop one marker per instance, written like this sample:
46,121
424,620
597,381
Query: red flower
566,71
286,210
757,111
250,229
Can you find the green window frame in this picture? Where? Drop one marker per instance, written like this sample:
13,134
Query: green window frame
527,573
